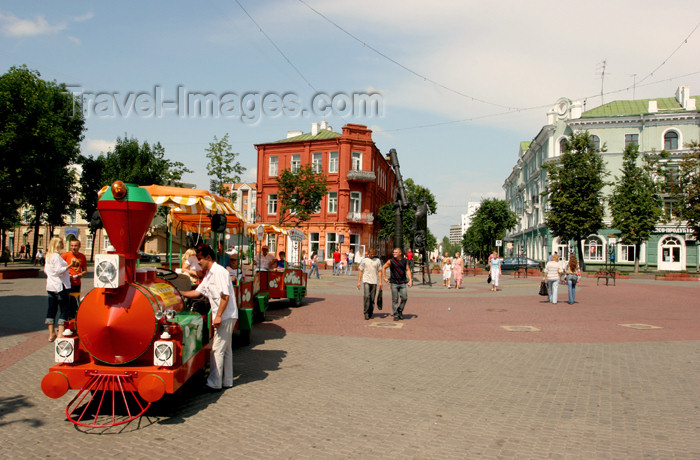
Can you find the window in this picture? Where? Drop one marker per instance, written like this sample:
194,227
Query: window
272,170
332,202
333,162
272,243
593,249
314,239
562,146
317,162
331,243
355,202
272,203
356,161
671,140
296,163
41,241
596,142
106,242
355,244
88,241
626,253
631,139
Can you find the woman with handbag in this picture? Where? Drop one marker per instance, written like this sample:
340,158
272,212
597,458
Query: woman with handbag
573,275
552,272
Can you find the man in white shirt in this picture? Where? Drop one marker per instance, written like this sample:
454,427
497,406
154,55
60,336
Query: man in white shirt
368,275
217,287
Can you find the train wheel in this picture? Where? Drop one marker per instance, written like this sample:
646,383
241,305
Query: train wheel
106,400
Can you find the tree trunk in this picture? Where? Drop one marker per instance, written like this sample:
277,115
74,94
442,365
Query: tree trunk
92,250
37,223
637,248
579,245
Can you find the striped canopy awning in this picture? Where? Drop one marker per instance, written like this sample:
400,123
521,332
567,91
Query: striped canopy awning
191,209
269,229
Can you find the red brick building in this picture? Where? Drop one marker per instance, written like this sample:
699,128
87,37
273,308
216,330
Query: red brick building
360,181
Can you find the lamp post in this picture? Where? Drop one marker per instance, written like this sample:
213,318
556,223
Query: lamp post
258,218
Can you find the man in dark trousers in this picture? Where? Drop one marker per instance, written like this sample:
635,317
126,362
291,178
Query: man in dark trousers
400,279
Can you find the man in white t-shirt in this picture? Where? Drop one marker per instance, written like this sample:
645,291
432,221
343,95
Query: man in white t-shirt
217,287
368,275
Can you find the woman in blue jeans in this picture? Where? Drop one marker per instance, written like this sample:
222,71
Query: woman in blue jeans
572,276
314,265
552,271
57,287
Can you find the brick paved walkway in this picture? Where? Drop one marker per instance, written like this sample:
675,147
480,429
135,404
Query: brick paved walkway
321,382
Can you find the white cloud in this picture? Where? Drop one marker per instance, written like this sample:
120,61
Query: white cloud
12,26
74,40
97,146
84,17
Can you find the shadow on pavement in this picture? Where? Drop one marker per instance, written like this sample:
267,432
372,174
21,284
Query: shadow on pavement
13,404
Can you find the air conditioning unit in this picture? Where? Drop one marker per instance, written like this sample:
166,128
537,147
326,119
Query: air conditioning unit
689,237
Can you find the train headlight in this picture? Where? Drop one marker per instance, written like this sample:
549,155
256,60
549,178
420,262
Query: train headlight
65,350
170,314
160,314
163,353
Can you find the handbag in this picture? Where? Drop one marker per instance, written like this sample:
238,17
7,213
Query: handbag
543,288
379,300
488,280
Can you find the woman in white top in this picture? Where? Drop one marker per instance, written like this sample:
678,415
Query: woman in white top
57,286
190,265
552,271
495,269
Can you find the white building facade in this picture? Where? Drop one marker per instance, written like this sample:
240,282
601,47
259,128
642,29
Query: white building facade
655,125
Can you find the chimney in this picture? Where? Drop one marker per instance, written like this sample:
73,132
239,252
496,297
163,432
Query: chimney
293,134
684,99
314,128
653,107
324,124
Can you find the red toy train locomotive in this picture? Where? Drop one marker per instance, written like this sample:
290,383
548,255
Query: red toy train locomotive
132,340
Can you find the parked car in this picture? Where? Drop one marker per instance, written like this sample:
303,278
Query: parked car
514,263
148,258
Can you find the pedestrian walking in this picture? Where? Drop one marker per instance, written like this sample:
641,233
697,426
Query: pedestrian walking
400,279
337,264
351,260
314,265
368,277
447,270
573,275
458,270
552,273
495,269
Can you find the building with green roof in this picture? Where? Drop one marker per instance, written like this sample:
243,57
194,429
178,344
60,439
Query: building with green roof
668,123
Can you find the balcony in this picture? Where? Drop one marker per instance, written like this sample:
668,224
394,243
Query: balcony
361,176
362,217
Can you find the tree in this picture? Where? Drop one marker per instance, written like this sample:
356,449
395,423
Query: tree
416,194
141,164
574,191
223,166
90,183
300,194
635,203
41,126
489,223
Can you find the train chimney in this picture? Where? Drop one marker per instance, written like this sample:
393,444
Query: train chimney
126,211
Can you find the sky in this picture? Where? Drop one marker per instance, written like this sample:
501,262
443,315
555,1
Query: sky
457,85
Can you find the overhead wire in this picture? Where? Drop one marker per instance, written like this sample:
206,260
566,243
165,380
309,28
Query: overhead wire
671,55
279,50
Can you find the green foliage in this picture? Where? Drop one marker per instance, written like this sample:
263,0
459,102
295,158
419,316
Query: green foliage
141,164
300,194
490,223
574,193
223,166
635,203
450,248
40,134
416,195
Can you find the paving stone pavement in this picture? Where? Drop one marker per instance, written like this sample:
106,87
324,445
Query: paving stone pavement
319,381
